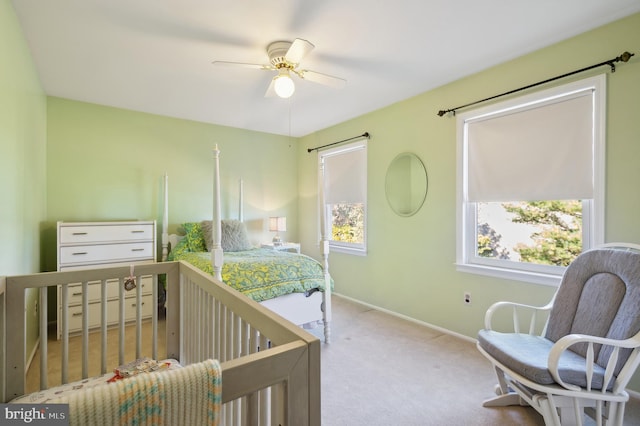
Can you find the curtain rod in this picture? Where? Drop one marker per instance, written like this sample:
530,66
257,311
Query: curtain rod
364,135
624,58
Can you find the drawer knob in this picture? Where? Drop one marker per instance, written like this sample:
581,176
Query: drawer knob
80,233
137,232
79,253
137,249
76,314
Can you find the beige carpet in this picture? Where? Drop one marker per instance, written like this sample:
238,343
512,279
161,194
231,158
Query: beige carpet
382,370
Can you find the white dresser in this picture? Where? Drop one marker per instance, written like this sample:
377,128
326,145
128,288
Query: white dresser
83,245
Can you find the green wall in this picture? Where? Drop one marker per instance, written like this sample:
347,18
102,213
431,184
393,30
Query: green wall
23,166
107,164
410,268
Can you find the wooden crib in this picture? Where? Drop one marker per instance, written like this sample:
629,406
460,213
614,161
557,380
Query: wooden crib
270,367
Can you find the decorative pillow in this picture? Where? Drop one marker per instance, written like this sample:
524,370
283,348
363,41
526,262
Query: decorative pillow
194,236
234,235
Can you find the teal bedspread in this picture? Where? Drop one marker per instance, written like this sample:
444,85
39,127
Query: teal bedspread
263,273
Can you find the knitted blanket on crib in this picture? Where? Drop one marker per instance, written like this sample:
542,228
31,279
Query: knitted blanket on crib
190,395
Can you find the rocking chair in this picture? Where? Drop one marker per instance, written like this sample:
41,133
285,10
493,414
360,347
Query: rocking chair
588,348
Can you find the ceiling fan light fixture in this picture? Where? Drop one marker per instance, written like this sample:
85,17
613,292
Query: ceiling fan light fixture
283,84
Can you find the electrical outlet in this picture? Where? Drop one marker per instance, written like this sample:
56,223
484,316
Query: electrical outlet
35,309
467,298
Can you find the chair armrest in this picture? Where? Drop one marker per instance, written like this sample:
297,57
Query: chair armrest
564,343
488,317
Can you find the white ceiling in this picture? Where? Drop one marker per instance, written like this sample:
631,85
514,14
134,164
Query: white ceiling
155,55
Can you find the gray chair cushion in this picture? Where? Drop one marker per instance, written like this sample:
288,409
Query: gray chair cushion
599,296
528,355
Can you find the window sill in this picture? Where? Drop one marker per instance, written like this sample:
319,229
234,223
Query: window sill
345,250
511,274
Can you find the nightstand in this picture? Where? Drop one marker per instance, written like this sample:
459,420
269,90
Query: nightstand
292,247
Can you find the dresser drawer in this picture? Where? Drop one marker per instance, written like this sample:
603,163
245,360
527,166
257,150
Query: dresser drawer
105,253
86,234
94,319
94,292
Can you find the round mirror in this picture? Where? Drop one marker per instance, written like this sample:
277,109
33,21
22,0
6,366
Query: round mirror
406,184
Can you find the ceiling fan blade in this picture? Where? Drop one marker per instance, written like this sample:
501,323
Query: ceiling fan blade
271,90
245,65
298,50
325,79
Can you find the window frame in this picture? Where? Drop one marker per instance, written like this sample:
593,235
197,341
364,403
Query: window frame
593,209
340,246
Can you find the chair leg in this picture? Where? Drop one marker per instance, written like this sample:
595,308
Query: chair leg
614,414
510,398
503,386
607,413
569,417
505,396
545,405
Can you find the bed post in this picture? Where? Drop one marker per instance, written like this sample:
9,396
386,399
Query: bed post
324,250
165,218
216,249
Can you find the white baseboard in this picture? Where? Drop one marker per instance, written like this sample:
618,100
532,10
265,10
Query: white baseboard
407,318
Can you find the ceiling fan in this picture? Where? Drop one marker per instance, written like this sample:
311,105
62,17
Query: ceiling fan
285,57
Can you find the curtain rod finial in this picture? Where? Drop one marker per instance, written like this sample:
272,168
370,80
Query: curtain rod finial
625,56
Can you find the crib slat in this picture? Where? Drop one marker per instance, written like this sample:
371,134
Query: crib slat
192,324
216,329
121,321
229,335
210,324
187,323
154,317
206,326
201,328
85,329
103,326
44,338
64,369
138,306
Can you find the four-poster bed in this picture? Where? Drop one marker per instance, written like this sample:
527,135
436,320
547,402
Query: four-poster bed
294,286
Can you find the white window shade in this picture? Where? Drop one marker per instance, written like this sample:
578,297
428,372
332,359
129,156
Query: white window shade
543,152
345,175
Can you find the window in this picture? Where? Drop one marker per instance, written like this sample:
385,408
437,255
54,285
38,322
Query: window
343,174
530,184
